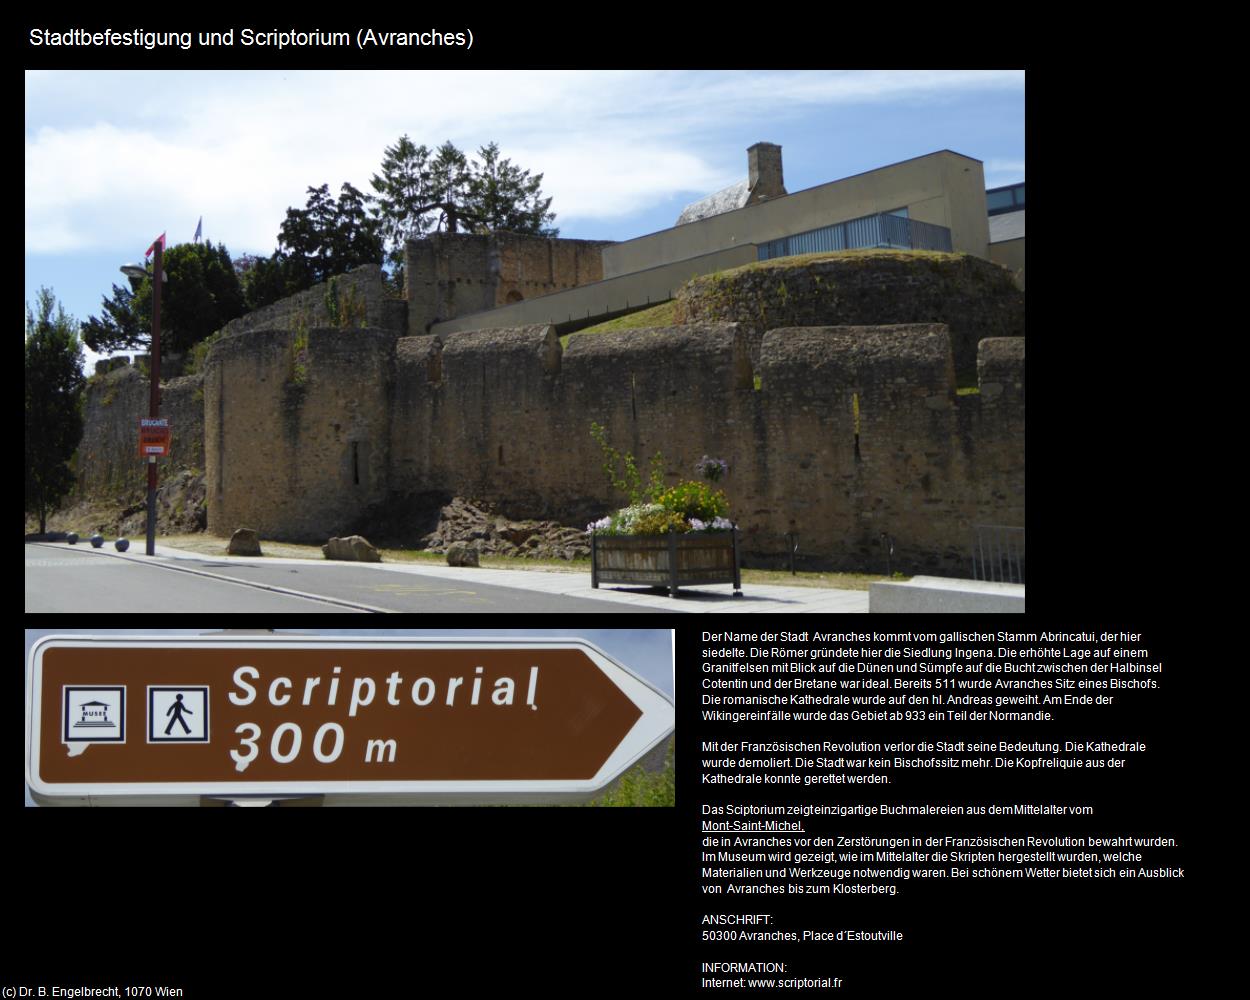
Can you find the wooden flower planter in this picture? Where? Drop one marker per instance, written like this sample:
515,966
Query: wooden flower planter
671,561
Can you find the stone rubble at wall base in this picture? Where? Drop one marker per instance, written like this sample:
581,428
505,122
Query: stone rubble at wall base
468,521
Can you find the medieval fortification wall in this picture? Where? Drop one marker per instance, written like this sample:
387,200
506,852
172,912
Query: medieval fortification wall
973,297
297,437
451,275
108,462
361,290
852,433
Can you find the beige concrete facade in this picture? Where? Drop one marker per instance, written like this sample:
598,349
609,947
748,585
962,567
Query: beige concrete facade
944,188
1010,255
601,298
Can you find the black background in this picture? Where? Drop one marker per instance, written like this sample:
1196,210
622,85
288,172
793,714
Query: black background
260,902
568,899
986,937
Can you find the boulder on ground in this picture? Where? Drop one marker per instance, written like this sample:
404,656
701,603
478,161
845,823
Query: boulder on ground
244,542
353,548
462,554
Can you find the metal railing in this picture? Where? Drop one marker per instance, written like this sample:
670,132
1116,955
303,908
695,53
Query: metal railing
891,231
997,553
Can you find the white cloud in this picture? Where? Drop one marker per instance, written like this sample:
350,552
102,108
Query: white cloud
114,158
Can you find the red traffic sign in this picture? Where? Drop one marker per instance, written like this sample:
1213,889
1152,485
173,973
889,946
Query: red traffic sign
163,719
154,436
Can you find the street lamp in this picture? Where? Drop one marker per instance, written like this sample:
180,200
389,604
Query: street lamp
136,271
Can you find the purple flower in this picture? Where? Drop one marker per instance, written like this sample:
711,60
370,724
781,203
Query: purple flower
711,469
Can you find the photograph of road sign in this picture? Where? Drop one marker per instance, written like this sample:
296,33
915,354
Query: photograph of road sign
469,720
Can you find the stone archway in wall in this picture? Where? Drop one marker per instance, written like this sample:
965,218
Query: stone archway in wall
514,296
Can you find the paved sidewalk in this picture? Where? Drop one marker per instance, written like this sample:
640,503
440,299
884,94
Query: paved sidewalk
712,599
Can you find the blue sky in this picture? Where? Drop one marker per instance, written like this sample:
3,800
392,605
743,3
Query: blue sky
114,158
647,652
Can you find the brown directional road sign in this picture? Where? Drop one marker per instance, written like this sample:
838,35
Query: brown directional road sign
457,720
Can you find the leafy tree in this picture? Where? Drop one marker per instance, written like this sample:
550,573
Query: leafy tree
420,191
201,294
404,192
271,279
452,178
244,264
326,237
54,384
117,328
502,196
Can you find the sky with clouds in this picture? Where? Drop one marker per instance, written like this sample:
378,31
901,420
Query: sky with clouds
647,652
114,158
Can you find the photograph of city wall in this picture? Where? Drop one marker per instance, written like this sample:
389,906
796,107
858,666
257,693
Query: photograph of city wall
868,399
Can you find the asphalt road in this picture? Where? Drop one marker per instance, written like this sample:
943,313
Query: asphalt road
64,579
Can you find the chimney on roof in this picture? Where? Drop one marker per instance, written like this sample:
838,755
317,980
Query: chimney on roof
764,179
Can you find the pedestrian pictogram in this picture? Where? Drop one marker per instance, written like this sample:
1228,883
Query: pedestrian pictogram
176,710
94,715
178,714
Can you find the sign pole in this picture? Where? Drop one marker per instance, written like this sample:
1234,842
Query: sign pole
154,395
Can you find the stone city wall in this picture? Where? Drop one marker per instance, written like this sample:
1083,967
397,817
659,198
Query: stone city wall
297,437
108,462
378,307
452,274
854,438
973,297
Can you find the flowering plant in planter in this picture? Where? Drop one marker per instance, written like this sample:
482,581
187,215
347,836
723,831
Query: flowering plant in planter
688,506
668,536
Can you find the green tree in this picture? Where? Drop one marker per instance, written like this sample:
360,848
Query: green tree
420,191
452,177
502,196
269,279
54,384
323,239
201,294
327,237
117,328
404,192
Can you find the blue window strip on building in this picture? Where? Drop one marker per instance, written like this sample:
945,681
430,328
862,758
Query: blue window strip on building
888,229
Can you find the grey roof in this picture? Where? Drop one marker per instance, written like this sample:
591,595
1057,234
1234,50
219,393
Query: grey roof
725,200
1008,226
